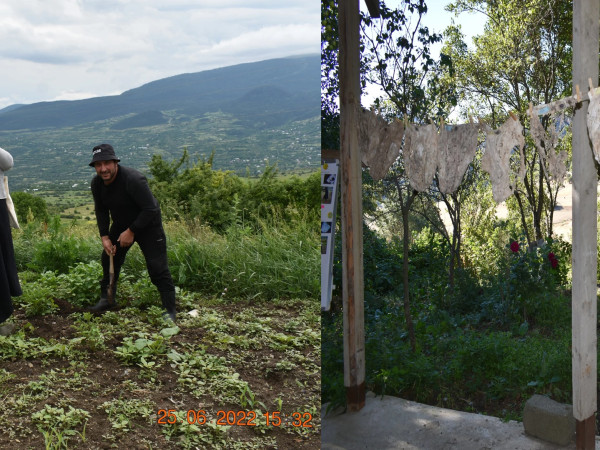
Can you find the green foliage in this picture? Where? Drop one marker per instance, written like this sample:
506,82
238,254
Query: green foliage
58,425
145,348
80,285
280,261
89,329
500,335
276,259
123,413
330,117
220,199
39,295
533,276
141,292
397,58
198,191
207,435
29,207
523,56
59,250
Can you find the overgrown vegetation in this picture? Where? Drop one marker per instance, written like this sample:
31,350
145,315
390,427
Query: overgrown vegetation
245,350
472,312
486,345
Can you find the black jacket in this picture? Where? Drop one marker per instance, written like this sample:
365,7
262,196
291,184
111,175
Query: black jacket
129,201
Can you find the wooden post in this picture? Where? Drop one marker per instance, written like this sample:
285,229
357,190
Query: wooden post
586,14
351,190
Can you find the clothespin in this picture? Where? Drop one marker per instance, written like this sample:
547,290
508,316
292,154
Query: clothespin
513,115
530,110
591,87
470,118
442,123
578,93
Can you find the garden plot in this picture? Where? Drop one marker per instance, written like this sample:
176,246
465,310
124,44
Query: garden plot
240,374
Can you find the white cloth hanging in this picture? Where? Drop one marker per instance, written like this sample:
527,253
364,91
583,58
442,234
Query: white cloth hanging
593,124
379,142
420,155
554,166
457,147
499,145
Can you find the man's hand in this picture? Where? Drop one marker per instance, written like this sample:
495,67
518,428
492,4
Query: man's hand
109,248
126,238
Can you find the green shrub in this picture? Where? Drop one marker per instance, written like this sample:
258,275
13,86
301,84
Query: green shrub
60,250
141,293
37,299
80,286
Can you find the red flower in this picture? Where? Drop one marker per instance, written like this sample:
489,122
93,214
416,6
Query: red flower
514,246
553,260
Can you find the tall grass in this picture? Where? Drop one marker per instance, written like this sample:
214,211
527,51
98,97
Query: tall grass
272,260
277,260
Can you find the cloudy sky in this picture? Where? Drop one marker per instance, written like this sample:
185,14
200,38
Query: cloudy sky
73,49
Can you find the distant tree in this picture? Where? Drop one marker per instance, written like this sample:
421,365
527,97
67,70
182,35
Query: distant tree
29,207
220,198
524,55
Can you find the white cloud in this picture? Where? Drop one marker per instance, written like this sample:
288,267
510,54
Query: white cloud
68,49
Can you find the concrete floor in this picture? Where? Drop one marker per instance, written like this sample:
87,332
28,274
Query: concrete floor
393,423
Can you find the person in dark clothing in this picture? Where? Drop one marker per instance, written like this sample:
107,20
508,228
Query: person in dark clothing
123,195
9,280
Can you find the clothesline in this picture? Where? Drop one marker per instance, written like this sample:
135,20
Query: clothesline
563,103
449,149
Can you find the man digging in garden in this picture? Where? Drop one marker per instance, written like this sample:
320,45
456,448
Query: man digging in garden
122,193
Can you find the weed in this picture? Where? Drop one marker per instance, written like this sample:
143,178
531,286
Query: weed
81,284
58,425
38,300
191,435
143,348
88,328
124,413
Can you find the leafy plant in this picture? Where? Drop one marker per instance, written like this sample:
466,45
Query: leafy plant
38,299
81,284
89,329
145,348
60,250
123,413
58,425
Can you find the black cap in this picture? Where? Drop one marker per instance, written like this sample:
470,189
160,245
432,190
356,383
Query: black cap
103,152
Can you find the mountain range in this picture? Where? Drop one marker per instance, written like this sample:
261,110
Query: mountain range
245,115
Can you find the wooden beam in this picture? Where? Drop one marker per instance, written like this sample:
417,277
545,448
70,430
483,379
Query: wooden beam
373,6
585,433
329,154
586,14
352,220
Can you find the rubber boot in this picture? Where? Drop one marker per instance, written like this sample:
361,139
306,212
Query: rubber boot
168,302
103,304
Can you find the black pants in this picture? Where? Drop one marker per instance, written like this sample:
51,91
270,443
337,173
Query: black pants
9,280
153,243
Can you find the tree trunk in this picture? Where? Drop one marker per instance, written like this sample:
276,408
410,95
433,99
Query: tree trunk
523,221
406,231
405,209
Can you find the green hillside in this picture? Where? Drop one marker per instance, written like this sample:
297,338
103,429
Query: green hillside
246,114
